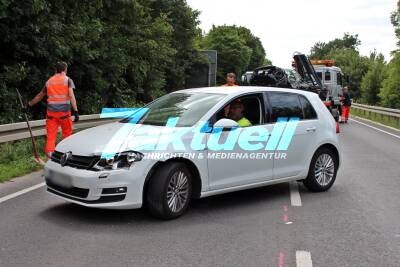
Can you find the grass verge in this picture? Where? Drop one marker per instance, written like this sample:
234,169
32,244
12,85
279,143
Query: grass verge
385,120
16,158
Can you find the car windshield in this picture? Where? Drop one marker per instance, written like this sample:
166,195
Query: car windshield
188,107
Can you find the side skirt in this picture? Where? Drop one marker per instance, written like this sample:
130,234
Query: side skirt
249,186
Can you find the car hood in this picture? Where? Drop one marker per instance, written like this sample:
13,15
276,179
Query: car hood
112,138
90,141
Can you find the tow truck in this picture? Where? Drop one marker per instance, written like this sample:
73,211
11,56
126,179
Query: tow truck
331,77
303,76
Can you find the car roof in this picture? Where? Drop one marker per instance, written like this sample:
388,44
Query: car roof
238,90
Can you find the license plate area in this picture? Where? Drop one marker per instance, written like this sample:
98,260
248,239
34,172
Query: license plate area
59,179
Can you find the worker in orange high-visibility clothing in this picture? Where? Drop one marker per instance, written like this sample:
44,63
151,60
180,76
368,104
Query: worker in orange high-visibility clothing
230,79
346,104
59,90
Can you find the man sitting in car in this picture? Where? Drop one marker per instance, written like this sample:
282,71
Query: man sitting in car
236,114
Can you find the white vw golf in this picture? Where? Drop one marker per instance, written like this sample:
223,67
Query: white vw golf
196,143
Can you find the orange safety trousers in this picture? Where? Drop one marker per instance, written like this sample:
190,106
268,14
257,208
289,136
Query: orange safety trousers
54,120
345,113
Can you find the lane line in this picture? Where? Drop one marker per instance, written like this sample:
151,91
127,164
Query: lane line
295,198
21,192
303,259
375,128
376,123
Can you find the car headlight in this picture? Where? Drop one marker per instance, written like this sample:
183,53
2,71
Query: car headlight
119,161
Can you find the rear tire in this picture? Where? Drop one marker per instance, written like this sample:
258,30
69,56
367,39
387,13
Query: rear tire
323,170
169,191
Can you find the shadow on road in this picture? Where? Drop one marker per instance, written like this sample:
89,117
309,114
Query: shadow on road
212,208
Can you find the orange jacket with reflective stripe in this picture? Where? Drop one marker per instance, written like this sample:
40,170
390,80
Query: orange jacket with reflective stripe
58,98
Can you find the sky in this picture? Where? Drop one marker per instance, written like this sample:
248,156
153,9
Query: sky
287,26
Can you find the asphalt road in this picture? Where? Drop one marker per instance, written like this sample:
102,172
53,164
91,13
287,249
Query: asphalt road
356,223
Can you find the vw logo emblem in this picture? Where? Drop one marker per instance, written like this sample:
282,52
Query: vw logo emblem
65,157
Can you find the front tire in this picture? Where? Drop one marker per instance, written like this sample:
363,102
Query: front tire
169,191
323,170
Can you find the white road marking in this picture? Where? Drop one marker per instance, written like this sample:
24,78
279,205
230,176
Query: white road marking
303,259
376,123
375,128
21,192
295,198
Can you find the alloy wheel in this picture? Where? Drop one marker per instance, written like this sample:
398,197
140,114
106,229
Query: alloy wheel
324,169
178,191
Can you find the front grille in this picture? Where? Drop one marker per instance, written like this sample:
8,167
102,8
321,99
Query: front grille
75,161
73,191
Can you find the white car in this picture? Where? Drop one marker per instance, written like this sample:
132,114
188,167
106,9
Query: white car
190,144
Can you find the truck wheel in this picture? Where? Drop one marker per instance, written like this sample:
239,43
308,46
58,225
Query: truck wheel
169,191
323,170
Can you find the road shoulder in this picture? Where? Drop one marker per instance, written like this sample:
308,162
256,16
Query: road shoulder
377,125
19,183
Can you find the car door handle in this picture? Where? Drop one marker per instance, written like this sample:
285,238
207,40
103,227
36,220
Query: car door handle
311,129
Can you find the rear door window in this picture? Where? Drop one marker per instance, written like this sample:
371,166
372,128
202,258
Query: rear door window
285,105
308,110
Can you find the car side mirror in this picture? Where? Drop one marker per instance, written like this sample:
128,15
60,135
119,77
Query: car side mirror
226,124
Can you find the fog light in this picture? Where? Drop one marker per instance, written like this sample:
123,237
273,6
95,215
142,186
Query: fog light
116,190
121,190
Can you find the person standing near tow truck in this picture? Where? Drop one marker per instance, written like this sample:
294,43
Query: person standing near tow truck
346,104
230,79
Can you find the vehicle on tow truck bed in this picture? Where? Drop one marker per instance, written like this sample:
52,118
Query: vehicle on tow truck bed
303,76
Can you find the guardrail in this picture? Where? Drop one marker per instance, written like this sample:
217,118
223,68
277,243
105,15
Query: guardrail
18,131
387,116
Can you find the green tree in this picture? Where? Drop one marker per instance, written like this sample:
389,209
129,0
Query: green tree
258,57
323,50
267,62
372,81
184,22
233,54
395,19
238,49
353,65
345,51
119,52
390,91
